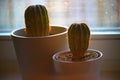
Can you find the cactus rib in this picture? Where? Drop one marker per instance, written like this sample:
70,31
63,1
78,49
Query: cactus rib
37,20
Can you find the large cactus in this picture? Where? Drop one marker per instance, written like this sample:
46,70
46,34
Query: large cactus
78,38
37,20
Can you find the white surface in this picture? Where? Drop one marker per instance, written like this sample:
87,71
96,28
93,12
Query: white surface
108,44
104,76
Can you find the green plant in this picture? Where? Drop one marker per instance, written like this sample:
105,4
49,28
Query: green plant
37,20
78,39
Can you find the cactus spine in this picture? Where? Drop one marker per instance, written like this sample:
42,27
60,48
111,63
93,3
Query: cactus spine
37,20
78,38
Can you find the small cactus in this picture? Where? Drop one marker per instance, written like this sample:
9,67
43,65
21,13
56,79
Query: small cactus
78,39
37,20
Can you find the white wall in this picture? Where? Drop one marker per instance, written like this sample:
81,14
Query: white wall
109,45
8,61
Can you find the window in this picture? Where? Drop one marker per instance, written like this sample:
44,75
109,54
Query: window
100,15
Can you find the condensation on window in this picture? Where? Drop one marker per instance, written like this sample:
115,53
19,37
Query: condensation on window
98,14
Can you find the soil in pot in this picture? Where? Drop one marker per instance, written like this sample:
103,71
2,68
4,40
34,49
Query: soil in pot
67,56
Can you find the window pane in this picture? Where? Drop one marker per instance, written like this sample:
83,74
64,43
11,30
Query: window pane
98,14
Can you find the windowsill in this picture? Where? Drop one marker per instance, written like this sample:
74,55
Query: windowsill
94,35
5,36
109,35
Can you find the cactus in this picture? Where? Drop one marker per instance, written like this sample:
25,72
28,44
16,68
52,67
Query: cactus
37,20
78,39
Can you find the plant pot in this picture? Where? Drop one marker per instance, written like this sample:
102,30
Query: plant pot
34,53
87,69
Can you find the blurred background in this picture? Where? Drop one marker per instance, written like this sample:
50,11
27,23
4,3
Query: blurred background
98,14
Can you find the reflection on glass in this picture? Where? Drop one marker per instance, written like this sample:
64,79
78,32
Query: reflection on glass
96,13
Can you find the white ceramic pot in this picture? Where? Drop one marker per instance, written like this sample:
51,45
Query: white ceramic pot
80,70
34,54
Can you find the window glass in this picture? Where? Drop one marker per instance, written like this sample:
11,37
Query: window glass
98,14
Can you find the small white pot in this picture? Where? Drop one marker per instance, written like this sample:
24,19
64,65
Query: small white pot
34,53
80,70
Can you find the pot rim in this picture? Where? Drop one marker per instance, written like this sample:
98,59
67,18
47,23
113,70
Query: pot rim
53,35
61,61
